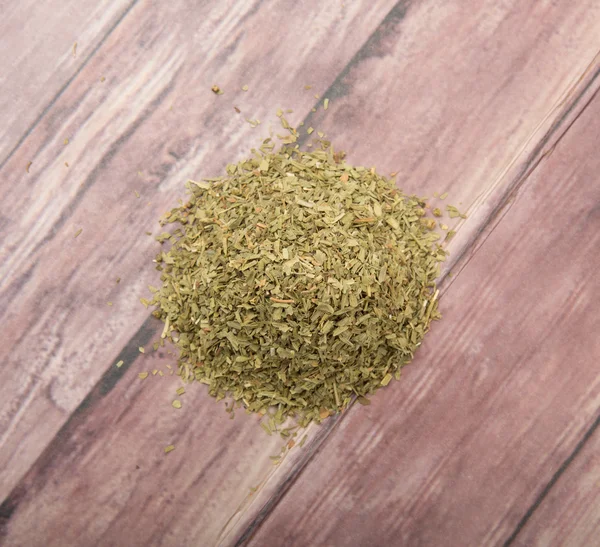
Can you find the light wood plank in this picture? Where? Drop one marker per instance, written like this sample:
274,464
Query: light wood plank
37,41
555,70
503,390
153,123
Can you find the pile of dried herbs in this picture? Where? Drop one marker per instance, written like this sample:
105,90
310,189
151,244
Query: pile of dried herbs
297,282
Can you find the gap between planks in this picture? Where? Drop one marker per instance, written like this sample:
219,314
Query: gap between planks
550,132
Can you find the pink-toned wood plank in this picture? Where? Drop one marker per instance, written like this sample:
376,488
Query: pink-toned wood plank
128,127
502,392
37,41
569,512
149,126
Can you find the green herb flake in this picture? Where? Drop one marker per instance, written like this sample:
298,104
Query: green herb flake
78,232
176,403
444,195
119,364
386,379
180,390
453,212
143,375
437,212
141,348
169,448
325,104
244,88
310,130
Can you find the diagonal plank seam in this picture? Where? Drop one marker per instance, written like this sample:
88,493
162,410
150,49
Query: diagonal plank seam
111,376
66,85
558,130
557,475
592,429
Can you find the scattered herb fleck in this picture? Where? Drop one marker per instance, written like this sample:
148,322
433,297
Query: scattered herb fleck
444,195
143,375
78,232
176,403
169,448
119,364
29,164
216,90
453,212
244,88
141,348
325,104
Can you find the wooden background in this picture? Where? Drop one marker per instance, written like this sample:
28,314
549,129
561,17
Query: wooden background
490,438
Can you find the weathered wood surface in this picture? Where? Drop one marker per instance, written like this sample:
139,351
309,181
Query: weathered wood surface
472,117
568,511
39,59
150,125
497,400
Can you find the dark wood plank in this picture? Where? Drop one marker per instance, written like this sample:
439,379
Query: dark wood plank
568,513
129,127
503,390
150,125
37,41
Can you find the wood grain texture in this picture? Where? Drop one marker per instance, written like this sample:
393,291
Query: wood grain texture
499,397
569,511
153,62
37,40
148,127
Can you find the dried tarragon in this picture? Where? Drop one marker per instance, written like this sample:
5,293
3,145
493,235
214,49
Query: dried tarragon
297,282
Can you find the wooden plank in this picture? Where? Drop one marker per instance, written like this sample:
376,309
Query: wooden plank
567,512
150,125
502,392
37,39
373,86
147,142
